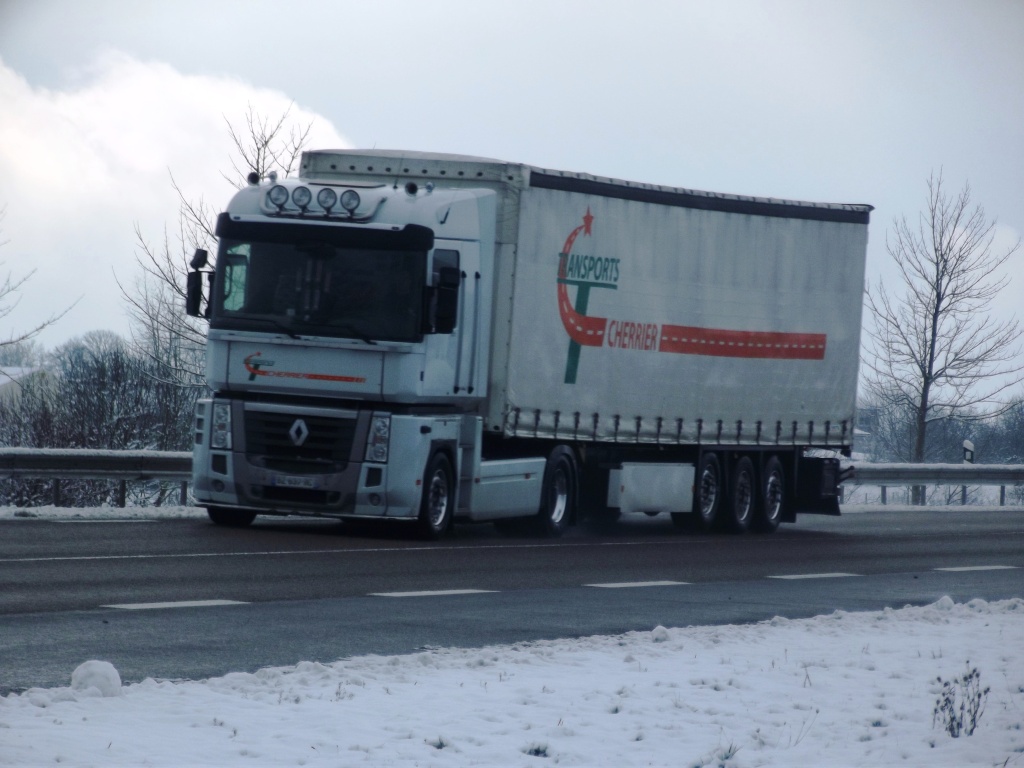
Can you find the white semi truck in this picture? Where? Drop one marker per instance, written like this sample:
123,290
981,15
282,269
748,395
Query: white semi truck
429,338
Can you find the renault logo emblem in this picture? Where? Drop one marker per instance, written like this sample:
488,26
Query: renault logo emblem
298,433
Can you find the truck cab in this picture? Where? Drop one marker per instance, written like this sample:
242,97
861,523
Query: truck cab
347,328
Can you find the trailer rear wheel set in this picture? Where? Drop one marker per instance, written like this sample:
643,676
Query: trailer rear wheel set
753,497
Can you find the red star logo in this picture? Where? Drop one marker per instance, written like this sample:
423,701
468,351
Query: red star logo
587,221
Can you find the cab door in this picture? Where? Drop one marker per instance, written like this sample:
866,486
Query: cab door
455,364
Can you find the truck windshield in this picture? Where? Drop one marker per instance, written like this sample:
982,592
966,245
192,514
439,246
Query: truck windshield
313,287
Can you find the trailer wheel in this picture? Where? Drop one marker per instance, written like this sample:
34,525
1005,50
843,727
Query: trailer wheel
742,497
773,489
558,492
438,497
231,518
707,492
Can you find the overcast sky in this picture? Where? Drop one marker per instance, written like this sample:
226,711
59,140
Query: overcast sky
825,101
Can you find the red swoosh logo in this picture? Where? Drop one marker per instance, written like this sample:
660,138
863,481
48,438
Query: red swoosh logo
255,370
590,331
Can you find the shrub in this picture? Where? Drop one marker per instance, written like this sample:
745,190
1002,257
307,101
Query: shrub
960,703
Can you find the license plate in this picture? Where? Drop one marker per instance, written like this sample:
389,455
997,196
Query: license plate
293,481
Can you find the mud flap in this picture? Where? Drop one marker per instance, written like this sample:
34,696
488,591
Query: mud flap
817,491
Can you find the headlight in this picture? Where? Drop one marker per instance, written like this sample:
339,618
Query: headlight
327,198
301,196
278,196
220,427
378,439
350,200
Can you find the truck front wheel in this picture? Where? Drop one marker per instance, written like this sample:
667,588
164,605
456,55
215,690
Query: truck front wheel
232,518
438,497
558,492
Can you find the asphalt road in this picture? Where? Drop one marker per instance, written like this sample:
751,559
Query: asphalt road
290,590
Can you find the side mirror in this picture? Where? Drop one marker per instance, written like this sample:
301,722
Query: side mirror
447,299
194,294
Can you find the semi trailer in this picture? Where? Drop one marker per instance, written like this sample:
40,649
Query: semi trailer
434,338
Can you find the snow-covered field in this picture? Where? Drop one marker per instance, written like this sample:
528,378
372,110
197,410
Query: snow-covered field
847,689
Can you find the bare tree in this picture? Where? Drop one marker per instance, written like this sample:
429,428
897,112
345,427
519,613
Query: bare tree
94,392
9,287
936,352
156,299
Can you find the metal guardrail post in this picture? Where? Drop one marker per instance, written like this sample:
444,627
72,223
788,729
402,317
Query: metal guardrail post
883,494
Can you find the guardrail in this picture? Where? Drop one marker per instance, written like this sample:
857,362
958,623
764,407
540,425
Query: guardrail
59,464
83,464
896,475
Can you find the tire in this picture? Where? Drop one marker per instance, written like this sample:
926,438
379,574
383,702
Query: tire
230,518
769,510
743,494
558,492
707,490
437,504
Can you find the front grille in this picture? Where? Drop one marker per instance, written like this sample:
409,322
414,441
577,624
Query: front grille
325,443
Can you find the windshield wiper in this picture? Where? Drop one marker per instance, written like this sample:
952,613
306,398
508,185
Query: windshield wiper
354,333
282,327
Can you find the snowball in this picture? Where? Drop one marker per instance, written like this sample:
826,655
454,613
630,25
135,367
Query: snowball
100,675
944,603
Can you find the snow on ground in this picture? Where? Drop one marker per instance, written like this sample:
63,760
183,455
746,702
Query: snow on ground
100,513
848,689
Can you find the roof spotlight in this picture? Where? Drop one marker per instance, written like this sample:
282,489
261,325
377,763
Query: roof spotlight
278,196
350,200
326,198
301,196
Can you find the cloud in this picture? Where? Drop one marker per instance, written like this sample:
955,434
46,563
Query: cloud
82,165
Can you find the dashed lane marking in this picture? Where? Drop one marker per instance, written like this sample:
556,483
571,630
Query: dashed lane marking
433,593
795,576
175,604
961,569
627,584
337,551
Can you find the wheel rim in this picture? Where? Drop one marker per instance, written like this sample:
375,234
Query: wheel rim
558,497
708,491
773,496
744,496
438,505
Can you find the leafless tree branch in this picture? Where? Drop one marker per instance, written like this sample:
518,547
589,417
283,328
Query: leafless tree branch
9,299
161,331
